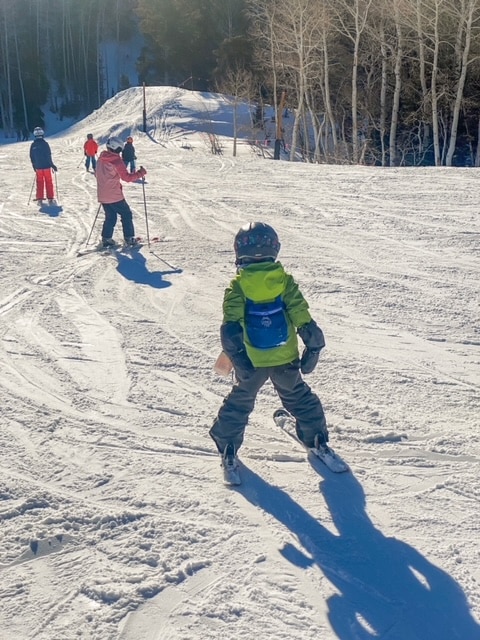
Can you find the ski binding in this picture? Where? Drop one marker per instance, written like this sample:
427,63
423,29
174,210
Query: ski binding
326,454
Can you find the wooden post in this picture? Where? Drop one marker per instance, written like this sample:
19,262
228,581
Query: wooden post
279,132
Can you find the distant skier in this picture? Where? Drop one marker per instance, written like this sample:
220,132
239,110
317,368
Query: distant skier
128,154
110,170
41,158
90,149
263,310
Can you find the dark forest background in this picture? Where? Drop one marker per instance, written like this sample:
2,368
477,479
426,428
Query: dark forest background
386,82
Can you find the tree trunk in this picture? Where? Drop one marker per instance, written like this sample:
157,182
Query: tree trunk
398,87
460,86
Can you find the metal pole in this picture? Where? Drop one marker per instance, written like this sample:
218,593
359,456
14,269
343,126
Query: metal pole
144,111
31,190
145,207
93,225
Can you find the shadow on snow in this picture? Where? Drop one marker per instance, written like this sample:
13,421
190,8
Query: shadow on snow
132,265
386,588
52,210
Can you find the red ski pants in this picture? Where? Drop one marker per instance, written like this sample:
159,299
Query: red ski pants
44,181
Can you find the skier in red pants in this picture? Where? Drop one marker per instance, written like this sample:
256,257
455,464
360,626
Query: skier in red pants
41,158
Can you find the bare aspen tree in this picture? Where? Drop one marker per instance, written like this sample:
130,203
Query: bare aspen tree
239,84
295,36
263,17
298,30
398,84
20,77
319,97
467,13
7,103
326,30
431,13
351,21
383,92
422,62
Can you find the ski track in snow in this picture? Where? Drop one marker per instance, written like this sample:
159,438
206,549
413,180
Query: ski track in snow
115,521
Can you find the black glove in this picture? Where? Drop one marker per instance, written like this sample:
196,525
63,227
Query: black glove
243,365
314,341
312,335
231,336
54,168
309,360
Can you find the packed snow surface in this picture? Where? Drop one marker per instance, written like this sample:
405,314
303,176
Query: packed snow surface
115,523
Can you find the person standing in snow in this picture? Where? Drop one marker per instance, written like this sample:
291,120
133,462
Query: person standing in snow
90,149
263,310
128,154
42,163
110,170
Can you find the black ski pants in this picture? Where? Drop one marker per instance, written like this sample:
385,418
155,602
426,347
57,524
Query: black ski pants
294,393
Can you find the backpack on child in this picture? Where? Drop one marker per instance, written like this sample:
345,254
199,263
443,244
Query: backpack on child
266,324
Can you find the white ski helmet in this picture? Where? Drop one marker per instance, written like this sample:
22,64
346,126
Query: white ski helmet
38,132
115,145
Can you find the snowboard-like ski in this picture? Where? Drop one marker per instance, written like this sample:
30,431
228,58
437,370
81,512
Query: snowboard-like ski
231,476
99,248
231,472
326,454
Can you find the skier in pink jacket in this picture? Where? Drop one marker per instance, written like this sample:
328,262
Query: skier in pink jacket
110,170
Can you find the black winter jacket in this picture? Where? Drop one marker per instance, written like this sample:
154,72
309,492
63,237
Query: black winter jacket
40,154
128,153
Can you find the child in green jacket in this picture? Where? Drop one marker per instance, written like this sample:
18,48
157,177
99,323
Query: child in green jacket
263,310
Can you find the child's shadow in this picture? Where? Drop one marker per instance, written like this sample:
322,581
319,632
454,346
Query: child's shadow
53,210
133,266
385,588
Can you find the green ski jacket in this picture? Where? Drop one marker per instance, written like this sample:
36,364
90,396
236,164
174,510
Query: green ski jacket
264,282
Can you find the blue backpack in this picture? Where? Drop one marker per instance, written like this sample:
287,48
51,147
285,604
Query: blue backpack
266,324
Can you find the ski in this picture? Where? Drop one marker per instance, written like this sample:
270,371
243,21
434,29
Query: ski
326,454
98,249
231,476
117,247
231,472
142,241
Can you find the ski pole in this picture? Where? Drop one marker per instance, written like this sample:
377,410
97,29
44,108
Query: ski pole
145,207
93,225
31,190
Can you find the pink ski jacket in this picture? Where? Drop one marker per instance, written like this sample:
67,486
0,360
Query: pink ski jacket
110,170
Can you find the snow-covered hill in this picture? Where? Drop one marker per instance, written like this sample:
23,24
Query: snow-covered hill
114,520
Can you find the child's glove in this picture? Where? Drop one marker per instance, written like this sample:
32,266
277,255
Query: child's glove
54,168
243,365
142,171
314,341
231,336
309,360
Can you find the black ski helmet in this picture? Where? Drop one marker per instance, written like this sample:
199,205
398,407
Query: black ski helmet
255,242
89,136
